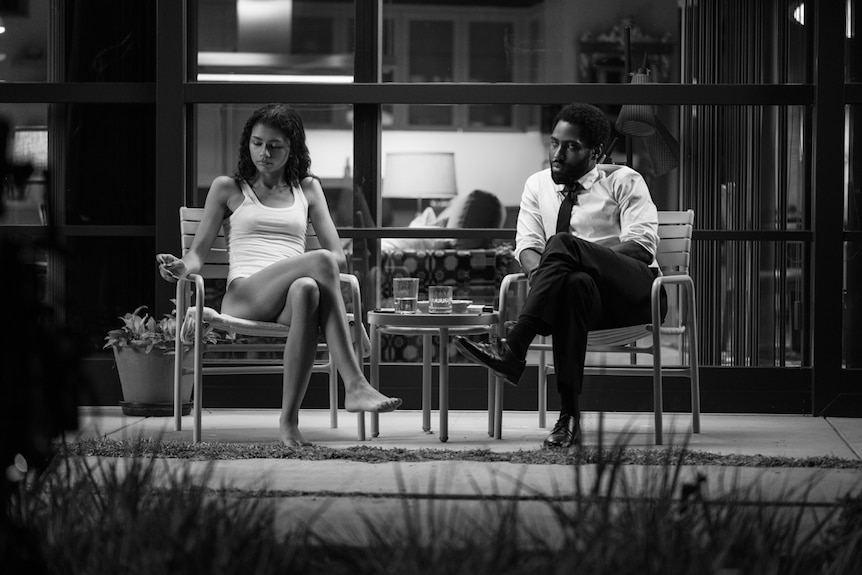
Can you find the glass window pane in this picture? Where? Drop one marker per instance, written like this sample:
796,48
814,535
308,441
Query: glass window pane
275,41
24,43
853,305
25,187
753,302
737,178
106,278
852,169
122,48
110,167
854,60
431,51
519,41
107,41
329,136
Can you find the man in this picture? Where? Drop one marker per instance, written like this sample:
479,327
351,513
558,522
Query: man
586,238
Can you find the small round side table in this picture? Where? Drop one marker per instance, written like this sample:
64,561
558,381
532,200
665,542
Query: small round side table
428,325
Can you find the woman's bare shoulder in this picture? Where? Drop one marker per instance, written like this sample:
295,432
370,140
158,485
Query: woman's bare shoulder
311,188
225,186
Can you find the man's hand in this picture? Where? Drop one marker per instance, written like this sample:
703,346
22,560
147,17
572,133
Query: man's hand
171,268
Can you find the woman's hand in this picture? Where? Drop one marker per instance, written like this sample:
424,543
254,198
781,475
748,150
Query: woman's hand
171,268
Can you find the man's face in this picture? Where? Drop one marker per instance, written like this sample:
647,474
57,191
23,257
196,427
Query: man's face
569,157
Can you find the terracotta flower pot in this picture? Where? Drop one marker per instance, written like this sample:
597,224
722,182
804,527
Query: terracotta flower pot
147,380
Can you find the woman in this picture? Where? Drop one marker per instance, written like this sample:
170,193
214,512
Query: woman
265,209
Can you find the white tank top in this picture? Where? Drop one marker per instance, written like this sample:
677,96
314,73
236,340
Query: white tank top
258,236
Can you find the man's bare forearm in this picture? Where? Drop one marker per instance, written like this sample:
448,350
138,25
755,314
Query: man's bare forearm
529,260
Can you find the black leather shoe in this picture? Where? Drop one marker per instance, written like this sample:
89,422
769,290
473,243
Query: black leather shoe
495,355
566,433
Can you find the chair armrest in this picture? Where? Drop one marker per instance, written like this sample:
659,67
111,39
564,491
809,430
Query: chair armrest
353,283
362,344
680,279
504,293
182,307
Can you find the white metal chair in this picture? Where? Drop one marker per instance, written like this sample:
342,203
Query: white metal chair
673,257
211,359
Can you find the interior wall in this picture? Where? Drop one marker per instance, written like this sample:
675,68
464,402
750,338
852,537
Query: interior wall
497,162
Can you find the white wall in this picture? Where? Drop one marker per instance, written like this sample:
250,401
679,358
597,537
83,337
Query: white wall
498,162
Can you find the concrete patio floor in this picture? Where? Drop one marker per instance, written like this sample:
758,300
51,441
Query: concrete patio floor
337,496
742,434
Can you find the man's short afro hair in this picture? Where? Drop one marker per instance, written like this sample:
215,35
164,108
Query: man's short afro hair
595,127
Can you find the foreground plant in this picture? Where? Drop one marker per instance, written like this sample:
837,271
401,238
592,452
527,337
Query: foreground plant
132,515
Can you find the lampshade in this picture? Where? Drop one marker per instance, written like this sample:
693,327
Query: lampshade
636,119
419,175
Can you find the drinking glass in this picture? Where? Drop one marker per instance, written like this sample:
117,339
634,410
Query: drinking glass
406,293
440,299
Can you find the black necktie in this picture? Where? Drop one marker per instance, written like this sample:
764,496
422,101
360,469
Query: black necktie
570,198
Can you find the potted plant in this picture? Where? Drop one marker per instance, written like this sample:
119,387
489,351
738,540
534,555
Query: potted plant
144,350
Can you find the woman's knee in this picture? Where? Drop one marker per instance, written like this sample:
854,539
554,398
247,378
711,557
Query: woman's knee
326,264
304,293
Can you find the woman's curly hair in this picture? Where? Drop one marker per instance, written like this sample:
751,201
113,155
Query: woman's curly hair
287,121
595,127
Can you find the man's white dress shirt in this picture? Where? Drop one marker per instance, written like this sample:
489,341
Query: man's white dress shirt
614,206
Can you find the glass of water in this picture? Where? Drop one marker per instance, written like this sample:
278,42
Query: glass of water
440,299
406,293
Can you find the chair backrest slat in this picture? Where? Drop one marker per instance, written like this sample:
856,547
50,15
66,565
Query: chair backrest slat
674,248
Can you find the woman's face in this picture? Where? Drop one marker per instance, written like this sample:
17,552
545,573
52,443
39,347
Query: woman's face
269,149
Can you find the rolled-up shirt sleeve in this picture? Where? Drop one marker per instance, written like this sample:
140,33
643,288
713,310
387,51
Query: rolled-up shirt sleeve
530,230
638,214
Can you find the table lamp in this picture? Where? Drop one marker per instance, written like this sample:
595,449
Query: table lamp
420,175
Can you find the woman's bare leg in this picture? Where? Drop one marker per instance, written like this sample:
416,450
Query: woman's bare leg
301,313
262,296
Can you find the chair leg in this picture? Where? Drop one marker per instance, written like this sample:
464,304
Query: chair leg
333,395
179,357
694,366
542,386
658,407
492,402
198,399
360,426
498,408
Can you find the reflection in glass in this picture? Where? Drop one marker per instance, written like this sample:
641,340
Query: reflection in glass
852,355
275,41
852,169
854,61
754,303
736,178
505,41
330,144
98,291
105,41
110,164
25,187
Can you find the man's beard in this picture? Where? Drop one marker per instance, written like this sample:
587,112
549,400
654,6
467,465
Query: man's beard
566,177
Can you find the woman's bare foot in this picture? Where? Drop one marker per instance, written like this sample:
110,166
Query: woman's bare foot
290,436
362,397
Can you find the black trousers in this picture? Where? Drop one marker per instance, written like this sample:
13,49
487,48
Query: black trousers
580,286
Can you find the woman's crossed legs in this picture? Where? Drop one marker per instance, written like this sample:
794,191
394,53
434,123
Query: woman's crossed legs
304,293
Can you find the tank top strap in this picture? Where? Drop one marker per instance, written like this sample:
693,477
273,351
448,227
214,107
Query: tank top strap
247,192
